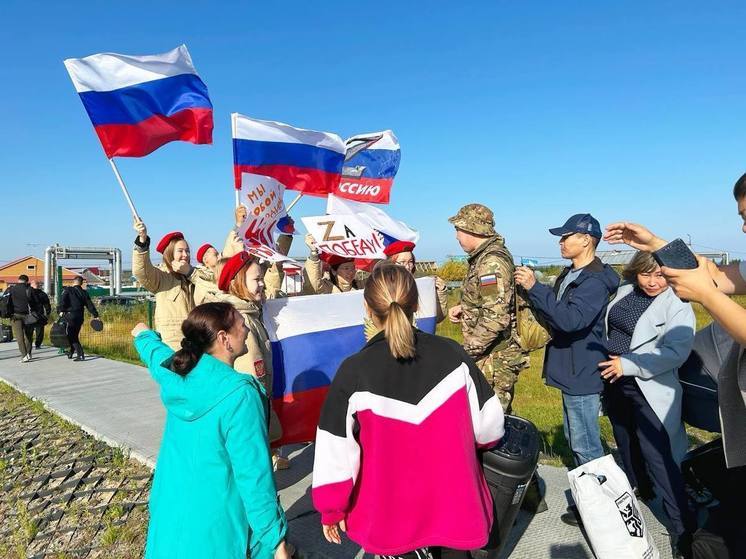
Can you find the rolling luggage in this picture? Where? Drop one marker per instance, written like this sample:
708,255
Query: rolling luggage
508,468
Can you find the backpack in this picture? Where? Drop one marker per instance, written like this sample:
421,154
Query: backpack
532,333
6,305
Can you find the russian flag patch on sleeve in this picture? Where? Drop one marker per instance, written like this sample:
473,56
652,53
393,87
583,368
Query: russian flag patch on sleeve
490,279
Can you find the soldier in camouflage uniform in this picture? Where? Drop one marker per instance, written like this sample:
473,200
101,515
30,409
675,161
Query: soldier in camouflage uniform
487,309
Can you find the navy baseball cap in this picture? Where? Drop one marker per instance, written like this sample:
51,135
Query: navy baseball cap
579,223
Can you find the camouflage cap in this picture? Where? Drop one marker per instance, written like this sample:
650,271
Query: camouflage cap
476,219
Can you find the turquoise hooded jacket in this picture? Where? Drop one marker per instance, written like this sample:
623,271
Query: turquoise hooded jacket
213,493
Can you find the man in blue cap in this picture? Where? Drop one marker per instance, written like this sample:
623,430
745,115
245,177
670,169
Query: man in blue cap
575,311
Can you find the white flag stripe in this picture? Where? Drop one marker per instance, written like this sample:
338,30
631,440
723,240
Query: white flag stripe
246,128
302,315
108,71
373,216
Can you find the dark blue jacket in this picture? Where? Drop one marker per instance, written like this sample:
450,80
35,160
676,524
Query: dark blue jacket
578,327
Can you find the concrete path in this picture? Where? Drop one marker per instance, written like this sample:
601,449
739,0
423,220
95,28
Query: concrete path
119,403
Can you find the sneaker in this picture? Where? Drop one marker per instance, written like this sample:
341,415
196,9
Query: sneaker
26,359
79,358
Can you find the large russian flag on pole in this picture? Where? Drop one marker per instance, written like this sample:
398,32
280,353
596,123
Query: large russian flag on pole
304,160
311,336
139,103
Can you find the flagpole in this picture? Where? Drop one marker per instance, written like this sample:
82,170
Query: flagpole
124,189
294,202
238,197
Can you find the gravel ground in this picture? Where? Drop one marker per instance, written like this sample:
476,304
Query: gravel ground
65,494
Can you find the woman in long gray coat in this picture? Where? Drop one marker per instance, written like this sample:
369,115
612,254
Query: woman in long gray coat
650,334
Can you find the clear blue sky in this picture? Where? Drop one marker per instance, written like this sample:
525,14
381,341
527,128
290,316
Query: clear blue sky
628,110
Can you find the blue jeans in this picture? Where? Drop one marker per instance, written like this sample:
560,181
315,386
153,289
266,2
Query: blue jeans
580,417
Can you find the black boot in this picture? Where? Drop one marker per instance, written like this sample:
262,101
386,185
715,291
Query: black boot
534,501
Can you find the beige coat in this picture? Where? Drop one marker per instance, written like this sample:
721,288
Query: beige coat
314,282
174,295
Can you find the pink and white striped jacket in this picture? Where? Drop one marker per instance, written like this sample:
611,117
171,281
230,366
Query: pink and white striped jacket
396,448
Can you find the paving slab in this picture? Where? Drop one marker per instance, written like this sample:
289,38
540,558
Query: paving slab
120,404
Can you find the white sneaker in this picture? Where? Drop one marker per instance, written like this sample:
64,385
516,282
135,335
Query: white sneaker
26,359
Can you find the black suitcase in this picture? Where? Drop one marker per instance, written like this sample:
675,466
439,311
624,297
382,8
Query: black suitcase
6,333
508,468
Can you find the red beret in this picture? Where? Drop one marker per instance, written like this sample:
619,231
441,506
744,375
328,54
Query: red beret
202,250
231,268
167,239
398,246
334,260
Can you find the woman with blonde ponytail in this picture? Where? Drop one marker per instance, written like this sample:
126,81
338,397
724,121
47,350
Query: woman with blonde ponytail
404,393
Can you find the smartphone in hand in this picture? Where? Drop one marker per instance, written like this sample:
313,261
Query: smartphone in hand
677,255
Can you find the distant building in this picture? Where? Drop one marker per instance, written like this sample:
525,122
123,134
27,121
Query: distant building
620,258
31,266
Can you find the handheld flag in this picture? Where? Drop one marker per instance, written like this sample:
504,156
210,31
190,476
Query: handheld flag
304,160
139,103
371,163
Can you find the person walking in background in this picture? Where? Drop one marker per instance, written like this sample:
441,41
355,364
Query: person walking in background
575,310
46,310
213,492
406,392
75,300
487,309
650,334
26,312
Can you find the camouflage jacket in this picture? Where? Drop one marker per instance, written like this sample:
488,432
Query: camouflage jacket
488,298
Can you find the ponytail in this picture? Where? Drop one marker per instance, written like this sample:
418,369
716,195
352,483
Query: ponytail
398,332
200,331
391,295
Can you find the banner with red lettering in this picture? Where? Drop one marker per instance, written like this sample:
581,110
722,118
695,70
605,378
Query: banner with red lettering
371,163
345,235
263,198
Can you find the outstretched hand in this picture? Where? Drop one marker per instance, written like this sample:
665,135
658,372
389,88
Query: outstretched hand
139,328
634,235
240,215
141,229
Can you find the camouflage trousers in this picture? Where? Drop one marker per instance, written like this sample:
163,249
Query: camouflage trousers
501,369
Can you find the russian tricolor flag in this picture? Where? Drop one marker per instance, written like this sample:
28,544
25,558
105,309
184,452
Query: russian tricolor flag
304,160
139,103
371,163
311,335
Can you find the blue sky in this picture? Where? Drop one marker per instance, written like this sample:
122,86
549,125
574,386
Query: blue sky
539,110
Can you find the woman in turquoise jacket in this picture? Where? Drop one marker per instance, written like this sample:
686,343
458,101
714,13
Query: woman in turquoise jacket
213,493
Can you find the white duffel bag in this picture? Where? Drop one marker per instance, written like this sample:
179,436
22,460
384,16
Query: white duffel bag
610,512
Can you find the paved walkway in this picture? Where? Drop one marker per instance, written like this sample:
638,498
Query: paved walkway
119,403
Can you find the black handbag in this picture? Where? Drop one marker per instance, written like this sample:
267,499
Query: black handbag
58,334
31,319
